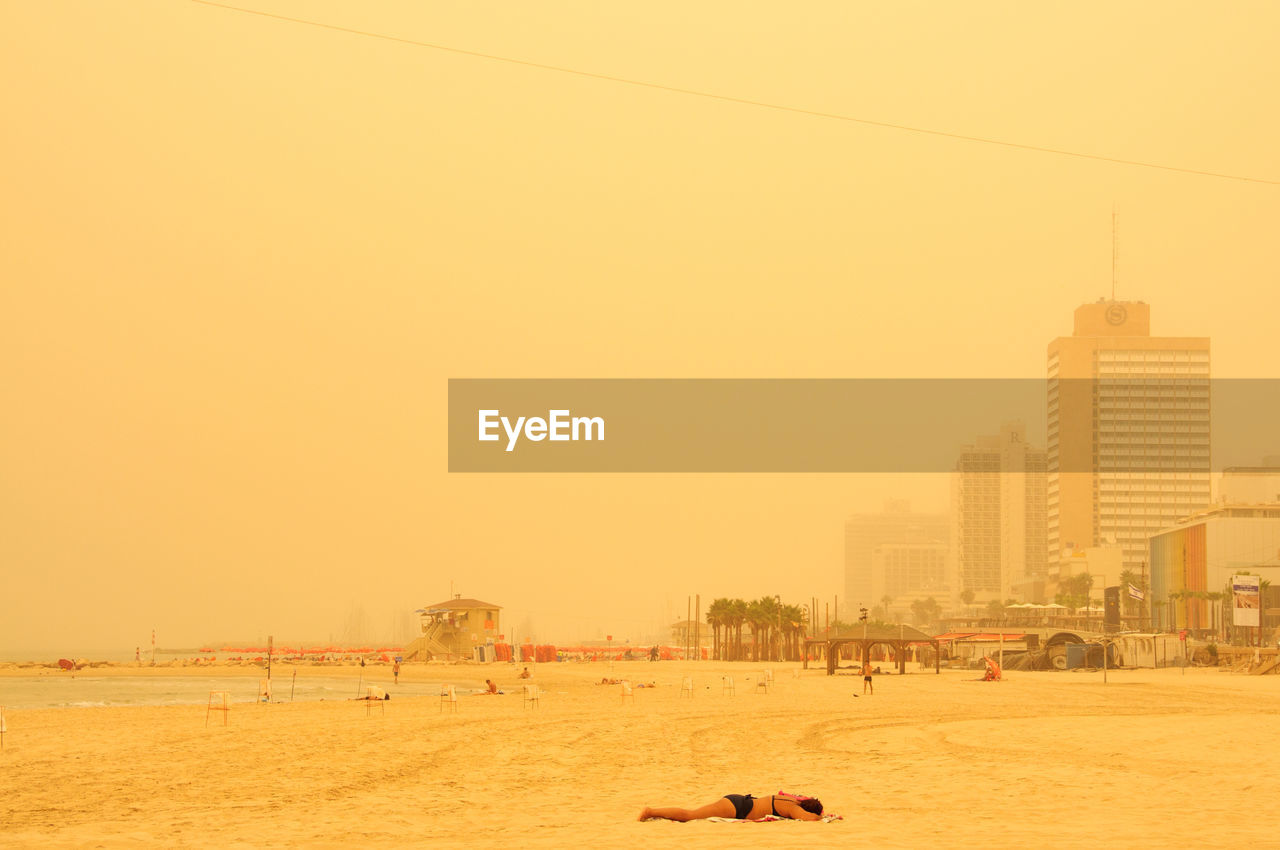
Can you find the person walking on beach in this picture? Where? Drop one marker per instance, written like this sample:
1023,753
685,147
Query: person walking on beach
744,807
867,684
395,670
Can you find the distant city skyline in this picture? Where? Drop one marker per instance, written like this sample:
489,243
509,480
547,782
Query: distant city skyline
244,257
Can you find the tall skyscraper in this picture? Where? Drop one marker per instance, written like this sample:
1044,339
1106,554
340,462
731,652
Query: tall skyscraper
866,574
998,522
1128,438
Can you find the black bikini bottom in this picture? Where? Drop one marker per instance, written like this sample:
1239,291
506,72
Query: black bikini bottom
742,804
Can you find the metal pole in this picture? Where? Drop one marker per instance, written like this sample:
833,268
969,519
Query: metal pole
697,628
688,614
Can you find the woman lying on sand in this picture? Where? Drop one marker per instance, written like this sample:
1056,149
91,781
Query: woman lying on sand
745,807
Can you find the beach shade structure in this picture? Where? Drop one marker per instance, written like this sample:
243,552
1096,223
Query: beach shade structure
686,687
627,692
886,638
449,697
726,686
218,701
531,696
66,664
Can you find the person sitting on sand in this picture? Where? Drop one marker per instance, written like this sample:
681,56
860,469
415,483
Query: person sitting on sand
525,674
493,687
993,670
744,807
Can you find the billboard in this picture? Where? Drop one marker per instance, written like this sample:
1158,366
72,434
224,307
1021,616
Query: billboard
1246,600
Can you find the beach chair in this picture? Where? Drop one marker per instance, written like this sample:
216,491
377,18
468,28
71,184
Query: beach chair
627,692
373,694
449,697
686,687
762,683
726,686
531,696
218,701
264,690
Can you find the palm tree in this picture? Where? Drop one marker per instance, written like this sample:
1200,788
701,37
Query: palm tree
1075,590
794,618
766,610
717,618
737,618
755,619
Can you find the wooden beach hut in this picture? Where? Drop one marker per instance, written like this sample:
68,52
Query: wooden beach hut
454,628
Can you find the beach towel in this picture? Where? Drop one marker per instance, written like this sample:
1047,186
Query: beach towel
827,818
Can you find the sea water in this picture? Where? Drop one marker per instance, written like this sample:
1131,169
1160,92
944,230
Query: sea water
64,690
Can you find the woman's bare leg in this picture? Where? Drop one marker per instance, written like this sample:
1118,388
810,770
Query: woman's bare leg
721,808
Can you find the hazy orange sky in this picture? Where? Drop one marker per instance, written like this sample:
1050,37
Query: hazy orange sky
242,256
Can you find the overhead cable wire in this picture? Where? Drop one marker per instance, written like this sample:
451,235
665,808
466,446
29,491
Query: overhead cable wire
797,110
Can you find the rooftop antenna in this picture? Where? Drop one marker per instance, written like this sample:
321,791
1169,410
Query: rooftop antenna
1113,251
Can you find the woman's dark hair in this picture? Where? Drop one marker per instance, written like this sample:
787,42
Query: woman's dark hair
812,805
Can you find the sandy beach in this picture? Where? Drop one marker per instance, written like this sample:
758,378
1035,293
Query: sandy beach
1055,760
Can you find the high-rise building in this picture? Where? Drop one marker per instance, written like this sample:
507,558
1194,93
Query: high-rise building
909,572
998,522
1128,432
865,574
